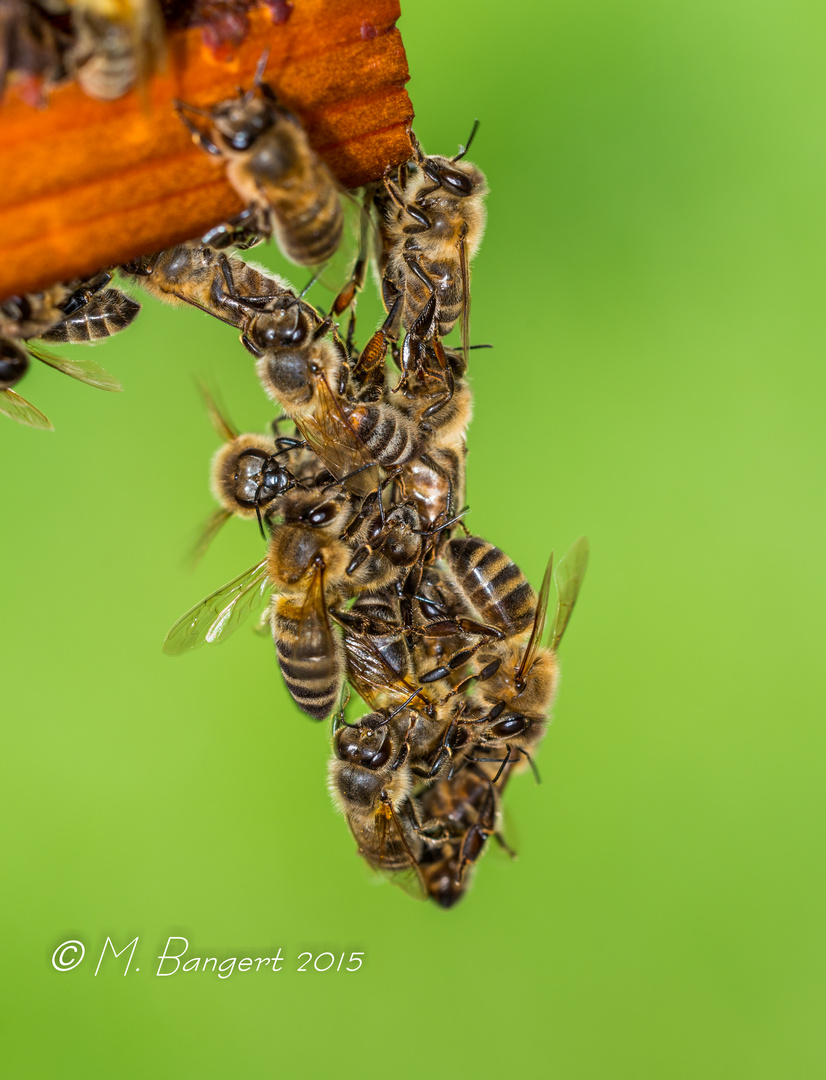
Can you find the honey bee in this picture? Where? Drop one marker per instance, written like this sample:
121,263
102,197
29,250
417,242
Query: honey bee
249,473
371,785
307,564
305,569
74,312
351,438
118,44
432,222
461,812
259,304
270,163
377,656
436,477
514,691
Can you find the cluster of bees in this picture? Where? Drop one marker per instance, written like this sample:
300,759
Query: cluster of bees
369,578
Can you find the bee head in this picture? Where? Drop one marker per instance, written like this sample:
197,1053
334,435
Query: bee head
366,743
287,375
240,123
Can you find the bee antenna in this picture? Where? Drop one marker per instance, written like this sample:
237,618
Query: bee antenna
464,149
183,106
259,71
258,513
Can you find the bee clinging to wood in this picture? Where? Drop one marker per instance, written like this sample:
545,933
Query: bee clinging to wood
291,193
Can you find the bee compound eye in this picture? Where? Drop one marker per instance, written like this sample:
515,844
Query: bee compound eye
456,181
322,515
509,727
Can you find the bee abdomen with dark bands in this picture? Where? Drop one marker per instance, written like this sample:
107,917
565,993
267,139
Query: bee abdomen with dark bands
107,313
493,583
313,680
314,234
389,436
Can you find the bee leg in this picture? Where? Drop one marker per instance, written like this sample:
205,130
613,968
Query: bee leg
362,553
423,324
418,153
243,231
532,764
354,524
198,137
431,410
500,840
82,295
393,191
477,836
373,354
447,629
286,444
354,286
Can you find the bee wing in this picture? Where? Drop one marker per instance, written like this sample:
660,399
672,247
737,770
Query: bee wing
86,371
219,614
212,526
333,438
374,680
17,408
464,274
315,635
409,878
568,578
538,620
346,268
221,424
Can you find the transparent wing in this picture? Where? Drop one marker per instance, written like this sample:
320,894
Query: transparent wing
221,424
332,437
17,408
410,881
212,526
345,271
373,679
409,878
538,621
465,280
87,371
568,578
219,614
315,635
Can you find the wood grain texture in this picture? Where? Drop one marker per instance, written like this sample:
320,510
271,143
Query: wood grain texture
87,184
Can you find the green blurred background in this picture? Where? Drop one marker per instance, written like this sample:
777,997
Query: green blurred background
652,282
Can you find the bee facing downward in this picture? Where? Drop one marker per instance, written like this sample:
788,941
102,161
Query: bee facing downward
270,163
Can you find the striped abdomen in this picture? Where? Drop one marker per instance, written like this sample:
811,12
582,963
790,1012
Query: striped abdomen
309,655
300,191
494,585
105,314
113,58
390,437
310,222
